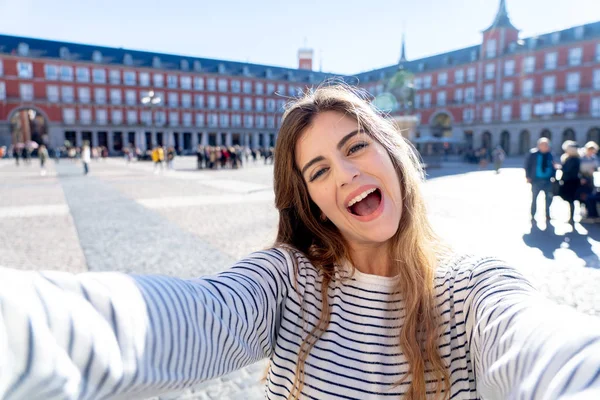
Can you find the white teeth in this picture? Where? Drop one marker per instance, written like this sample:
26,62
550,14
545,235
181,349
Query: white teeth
360,197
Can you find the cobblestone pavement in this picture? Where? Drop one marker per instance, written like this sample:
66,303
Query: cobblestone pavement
190,223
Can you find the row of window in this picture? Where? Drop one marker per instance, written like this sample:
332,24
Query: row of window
131,117
467,95
157,80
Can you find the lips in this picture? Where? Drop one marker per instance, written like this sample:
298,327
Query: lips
366,203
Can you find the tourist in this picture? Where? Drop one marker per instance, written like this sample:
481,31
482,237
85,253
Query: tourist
43,156
539,171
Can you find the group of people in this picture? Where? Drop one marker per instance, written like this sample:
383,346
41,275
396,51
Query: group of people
571,178
214,157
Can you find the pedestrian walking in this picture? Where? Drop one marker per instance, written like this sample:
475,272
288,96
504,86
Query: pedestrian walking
199,157
86,157
570,181
16,154
498,156
170,157
357,299
157,159
539,171
43,156
589,165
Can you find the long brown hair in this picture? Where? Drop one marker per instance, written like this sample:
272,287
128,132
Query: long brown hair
415,250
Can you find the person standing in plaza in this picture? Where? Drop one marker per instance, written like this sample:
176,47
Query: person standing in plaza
589,165
170,157
498,155
16,154
43,156
539,171
571,178
86,157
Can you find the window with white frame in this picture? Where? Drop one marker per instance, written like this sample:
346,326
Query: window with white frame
187,119
213,120
468,115
596,82
427,100
260,121
459,76
101,116
83,94
25,70
224,120
114,77
418,83
144,79
23,49
487,114
132,117
260,104
211,84
51,72
100,96
575,56
259,88
527,88
550,60
2,91
247,85
69,116
223,102
1,68
529,64
174,118
442,79
146,117
115,96
417,100
488,92
85,116
270,88
186,100
67,94
199,85
236,86
248,121
506,112
595,106
158,80
270,122
52,93
458,95
116,117
490,48
573,79
470,95
490,70
471,73
26,91
508,89
199,101
236,120
525,111
199,120
441,98
173,99
247,103
160,118
185,82
172,81
129,78
427,82
99,75
549,84
66,73
222,85
130,97
83,74
212,102
235,102
509,67
270,105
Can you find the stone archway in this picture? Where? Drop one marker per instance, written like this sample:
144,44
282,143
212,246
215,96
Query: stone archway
568,134
524,142
441,125
505,141
28,124
546,134
486,140
593,135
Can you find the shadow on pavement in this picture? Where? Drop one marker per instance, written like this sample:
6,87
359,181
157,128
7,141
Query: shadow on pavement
548,241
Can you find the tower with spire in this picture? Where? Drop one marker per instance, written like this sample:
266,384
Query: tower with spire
498,36
403,51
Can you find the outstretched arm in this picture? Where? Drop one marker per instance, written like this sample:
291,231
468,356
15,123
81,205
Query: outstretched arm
98,335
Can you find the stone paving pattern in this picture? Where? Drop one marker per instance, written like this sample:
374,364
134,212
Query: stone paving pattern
189,223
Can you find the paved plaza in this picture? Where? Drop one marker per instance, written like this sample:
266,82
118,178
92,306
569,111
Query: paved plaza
189,223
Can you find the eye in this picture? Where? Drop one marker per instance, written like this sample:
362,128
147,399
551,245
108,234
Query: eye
357,147
318,174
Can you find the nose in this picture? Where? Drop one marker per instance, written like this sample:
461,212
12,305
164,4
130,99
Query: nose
346,172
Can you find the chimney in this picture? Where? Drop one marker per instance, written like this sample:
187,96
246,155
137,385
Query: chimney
305,59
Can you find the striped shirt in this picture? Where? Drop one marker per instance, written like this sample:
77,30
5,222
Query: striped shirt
112,335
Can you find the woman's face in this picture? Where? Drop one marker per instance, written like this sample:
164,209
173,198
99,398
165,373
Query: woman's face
351,178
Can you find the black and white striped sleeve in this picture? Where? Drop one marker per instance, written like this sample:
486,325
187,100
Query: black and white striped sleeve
111,335
522,345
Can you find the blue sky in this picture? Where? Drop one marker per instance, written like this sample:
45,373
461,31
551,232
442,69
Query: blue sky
351,35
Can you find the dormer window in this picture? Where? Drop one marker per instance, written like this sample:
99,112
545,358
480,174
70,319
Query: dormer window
555,38
532,43
127,59
579,31
197,66
291,76
185,65
63,53
23,49
156,62
381,75
269,73
421,67
311,77
221,68
97,56
245,70
473,55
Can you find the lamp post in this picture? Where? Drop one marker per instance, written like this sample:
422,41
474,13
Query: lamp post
151,100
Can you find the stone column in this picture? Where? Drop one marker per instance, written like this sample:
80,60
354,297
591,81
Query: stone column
195,141
228,139
154,138
110,142
78,139
255,140
205,138
219,139
94,139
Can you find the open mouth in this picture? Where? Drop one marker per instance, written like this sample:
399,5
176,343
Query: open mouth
365,203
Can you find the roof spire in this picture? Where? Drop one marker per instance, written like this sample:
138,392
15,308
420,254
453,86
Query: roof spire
403,51
502,20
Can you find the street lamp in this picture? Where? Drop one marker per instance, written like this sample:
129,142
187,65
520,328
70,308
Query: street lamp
151,100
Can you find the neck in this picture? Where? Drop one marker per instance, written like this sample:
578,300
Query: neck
372,258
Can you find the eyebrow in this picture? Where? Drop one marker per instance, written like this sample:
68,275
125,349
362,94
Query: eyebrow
340,144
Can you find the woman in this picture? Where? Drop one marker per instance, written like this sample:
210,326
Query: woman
43,155
589,165
86,157
357,299
570,180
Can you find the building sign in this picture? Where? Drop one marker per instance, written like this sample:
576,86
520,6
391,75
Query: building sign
569,106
